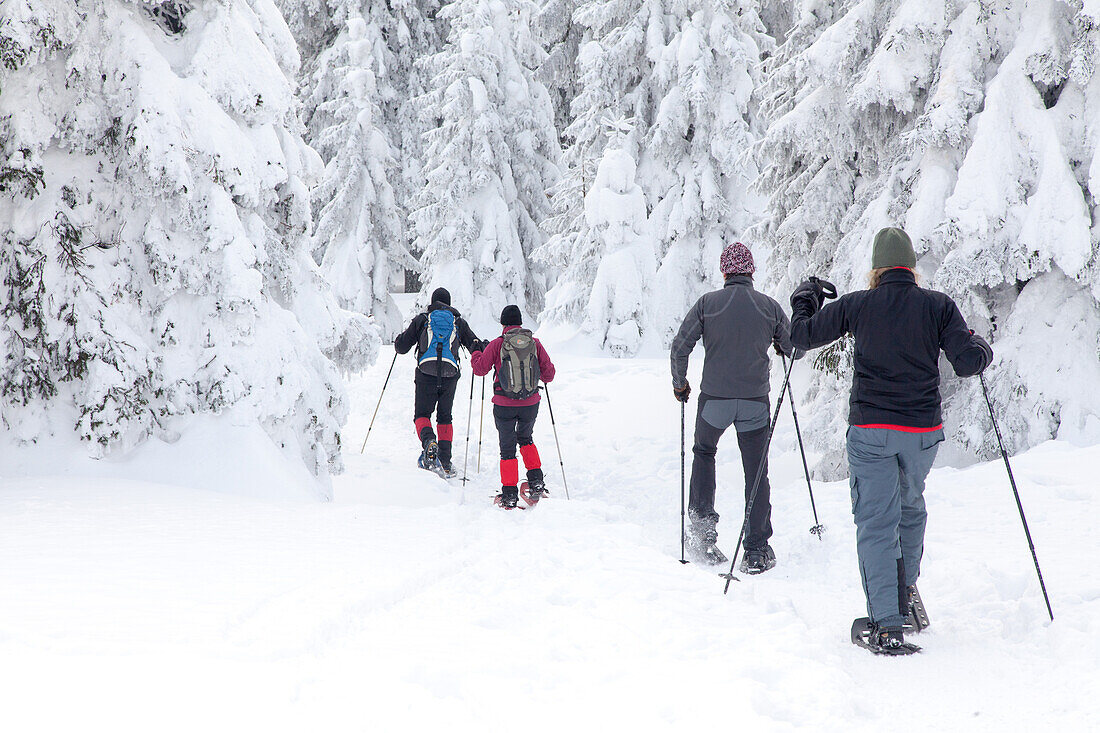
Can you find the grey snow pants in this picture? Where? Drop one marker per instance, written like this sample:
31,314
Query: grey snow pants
887,472
750,419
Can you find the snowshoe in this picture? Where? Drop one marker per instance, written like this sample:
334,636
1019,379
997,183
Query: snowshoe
757,561
886,640
448,471
918,617
532,490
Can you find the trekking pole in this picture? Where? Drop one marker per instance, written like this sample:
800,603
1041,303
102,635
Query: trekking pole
555,426
1019,505
818,527
683,529
756,484
481,427
469,417
379,401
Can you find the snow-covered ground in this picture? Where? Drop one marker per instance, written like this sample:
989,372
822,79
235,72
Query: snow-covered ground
413,604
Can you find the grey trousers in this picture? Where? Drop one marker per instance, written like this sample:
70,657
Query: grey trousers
887,472
750,420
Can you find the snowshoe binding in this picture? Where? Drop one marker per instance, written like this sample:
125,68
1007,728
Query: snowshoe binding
530,495
918,617
508,498
885,640
757,561
429,459
534,488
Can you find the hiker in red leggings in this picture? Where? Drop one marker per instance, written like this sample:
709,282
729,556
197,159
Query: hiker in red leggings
519,361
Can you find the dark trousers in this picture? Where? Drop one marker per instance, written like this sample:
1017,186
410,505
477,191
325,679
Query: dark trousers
750,419
433,395
515,426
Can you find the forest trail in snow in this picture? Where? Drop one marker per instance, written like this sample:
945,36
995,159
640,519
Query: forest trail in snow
409,603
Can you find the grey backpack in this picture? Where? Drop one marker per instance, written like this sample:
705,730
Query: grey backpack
519,372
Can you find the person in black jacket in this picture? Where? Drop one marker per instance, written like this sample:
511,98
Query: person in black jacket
894,416
437,374
738,325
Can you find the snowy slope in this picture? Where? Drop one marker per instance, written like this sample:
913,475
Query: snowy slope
411,604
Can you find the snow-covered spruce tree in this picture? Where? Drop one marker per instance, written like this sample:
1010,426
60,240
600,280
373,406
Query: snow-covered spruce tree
965,123
359,237
154,222
362,55
489,162
560,36
680,77
612,93
698,164
615,219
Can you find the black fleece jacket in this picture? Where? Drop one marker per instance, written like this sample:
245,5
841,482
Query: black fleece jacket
410,337
899,330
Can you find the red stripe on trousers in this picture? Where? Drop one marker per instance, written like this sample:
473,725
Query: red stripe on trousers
902,428
445,431
420,423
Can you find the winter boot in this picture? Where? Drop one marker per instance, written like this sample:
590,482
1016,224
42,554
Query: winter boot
536,484
758,560
509,497
702,539
429,458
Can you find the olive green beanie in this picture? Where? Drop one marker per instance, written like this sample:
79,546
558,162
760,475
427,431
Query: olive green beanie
893,248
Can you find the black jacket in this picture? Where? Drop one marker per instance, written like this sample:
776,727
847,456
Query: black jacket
738,325
899,330
410,337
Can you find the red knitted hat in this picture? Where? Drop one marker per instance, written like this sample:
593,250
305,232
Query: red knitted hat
737,260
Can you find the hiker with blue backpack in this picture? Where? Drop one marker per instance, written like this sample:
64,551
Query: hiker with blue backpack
437,335
519,361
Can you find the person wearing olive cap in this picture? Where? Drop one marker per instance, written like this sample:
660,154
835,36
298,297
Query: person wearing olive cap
894,417
737,324
437,334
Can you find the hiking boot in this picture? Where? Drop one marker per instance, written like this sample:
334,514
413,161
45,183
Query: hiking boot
431,452
536,484
448,470
758,560
702,543
509,497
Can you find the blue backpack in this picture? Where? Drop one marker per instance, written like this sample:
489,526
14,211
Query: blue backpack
437,345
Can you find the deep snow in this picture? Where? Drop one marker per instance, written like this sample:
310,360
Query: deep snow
409,603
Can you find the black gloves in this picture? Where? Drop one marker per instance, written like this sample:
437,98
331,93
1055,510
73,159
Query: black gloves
813,292
985,347
682,393
480,345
